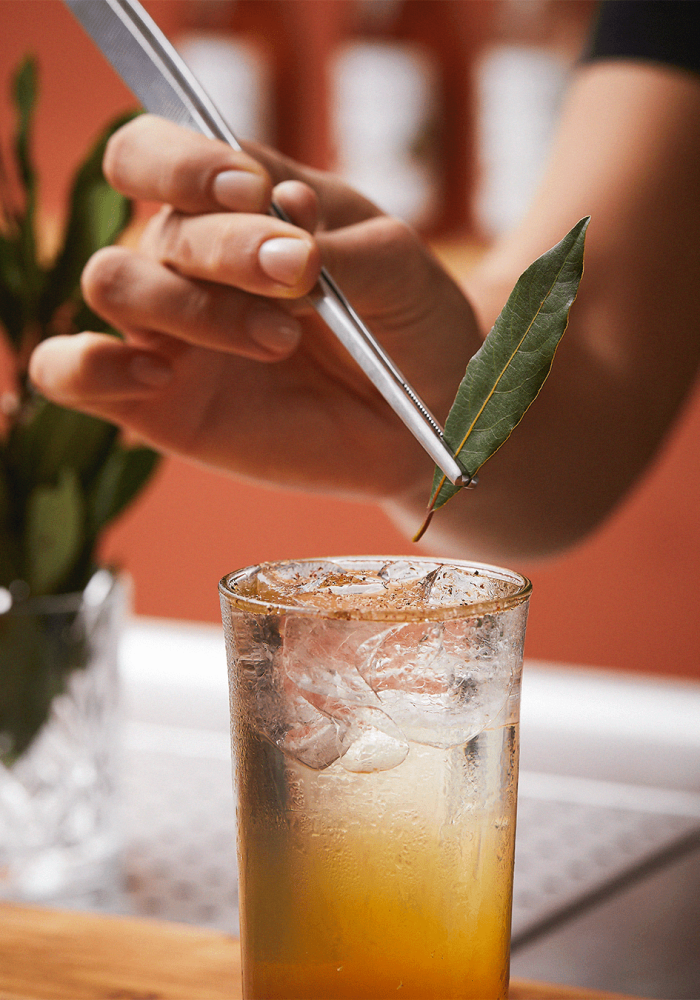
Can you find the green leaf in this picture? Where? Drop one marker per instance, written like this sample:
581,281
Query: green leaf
52,438
508,371
121,477
9,556
25,94
11,287
54,532
98,215
37,655
21,276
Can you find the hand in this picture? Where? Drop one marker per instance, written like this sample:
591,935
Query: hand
223,360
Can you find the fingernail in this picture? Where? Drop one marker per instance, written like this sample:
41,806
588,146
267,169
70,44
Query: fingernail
284,259
151,370
273,329
238,189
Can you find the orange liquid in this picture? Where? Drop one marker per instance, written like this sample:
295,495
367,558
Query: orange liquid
389,884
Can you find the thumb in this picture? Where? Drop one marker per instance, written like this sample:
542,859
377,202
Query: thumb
339,204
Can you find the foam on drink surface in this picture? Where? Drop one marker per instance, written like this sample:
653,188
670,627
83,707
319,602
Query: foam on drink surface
374,588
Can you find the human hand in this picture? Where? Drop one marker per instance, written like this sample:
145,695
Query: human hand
223,359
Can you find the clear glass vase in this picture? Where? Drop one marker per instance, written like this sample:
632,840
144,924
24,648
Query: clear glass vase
59,839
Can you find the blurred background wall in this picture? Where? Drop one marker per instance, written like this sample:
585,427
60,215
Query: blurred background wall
479,82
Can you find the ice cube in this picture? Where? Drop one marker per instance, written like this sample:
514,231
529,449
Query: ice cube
314,743
404,571
320,664
269,700
371,742
320,658
440,682
291,583
454,585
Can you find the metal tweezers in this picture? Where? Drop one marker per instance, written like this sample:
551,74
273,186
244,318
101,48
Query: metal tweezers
152,69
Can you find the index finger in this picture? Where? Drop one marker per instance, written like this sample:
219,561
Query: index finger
155,160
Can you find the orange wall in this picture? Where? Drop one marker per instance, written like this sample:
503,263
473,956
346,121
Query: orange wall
628,598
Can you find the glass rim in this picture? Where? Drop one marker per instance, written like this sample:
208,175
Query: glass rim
260,606
98,590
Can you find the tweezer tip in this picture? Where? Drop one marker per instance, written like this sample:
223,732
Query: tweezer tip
467,482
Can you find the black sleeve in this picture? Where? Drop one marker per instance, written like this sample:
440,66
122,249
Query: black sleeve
665,31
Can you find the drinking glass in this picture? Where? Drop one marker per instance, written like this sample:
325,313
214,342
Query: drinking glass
374,708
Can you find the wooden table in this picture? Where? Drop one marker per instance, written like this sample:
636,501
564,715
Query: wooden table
61,955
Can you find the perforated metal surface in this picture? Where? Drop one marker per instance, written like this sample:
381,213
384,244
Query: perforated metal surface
180,856
574,845
570,855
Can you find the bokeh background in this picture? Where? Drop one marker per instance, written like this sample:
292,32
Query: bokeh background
442,110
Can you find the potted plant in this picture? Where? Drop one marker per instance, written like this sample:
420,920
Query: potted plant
64,476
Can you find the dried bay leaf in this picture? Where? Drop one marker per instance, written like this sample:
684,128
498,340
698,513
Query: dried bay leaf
506,374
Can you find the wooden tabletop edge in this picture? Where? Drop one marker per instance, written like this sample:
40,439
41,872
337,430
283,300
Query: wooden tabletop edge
52,954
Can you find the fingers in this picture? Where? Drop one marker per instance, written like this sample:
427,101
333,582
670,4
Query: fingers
339,204
299,202
153,159
257,253
267,423
224,301
134,292
166,398
379,253
94,366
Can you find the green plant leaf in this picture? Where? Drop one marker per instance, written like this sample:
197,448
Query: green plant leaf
11,297
25,94
37,655
121,477
98,215
55,521
505,375
51,437
51,459
10,558
21,276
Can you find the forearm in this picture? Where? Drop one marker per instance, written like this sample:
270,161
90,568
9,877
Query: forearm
632,348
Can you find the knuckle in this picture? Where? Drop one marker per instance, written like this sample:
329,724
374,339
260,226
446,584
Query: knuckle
218,251
159,234
185,178
114,157
197,306
118,159
396,238
104,275
190,245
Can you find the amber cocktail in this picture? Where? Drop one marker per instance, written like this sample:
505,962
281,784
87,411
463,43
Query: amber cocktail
375,737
